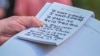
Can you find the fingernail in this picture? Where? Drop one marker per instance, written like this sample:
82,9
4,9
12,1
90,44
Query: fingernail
41,23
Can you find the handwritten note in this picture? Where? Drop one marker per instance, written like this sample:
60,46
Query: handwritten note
60,23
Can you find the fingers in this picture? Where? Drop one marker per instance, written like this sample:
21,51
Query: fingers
30,21
10,26
15,24
27,21
34,22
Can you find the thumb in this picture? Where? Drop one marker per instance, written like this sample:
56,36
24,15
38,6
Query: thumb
16,24
27,21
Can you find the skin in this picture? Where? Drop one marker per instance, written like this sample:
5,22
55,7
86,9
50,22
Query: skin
32,7
2,12
12,25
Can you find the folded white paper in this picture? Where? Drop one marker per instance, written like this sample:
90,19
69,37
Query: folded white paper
60,23
85,42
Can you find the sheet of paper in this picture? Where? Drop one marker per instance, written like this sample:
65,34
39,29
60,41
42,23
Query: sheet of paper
91,23
85,43
60,23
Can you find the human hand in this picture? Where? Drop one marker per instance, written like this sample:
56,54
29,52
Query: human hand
15,24
32,7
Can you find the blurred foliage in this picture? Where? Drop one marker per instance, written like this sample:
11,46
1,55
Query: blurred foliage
93,5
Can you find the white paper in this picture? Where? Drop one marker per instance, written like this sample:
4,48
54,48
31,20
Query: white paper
60,24
86,42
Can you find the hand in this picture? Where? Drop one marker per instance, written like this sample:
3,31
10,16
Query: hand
32,7
15,24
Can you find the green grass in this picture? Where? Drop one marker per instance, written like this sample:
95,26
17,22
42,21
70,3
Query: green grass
93,5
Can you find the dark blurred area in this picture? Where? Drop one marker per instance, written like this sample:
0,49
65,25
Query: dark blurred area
6,8
93,5
9,11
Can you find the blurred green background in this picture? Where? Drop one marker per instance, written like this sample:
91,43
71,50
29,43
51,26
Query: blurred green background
93,5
